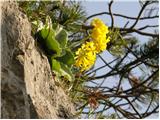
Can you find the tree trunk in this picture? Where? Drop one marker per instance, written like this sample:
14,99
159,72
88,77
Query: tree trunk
28,89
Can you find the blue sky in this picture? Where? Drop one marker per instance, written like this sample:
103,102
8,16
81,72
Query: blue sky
130,8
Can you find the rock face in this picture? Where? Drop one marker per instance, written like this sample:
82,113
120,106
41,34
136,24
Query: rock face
28,89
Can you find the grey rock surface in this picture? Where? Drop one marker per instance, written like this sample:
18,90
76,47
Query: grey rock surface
28,89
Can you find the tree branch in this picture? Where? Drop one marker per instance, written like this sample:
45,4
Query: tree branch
139,15
110,12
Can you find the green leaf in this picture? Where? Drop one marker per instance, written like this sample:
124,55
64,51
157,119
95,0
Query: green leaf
55,26
55,65
67,59
52,46
66,72
62,37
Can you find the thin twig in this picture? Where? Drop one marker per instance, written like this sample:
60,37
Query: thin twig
110,12
148,26
123,16
139,15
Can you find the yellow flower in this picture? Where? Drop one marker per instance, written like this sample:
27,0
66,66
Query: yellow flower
98,35
97,23
85,56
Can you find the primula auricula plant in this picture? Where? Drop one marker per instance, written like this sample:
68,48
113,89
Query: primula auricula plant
54,38
86,55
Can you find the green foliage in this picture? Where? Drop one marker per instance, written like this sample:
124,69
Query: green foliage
66,18
66,72
70,14
118,43
52,45
116,46
151,48
62,38
55,65
67,59
35,9
54,39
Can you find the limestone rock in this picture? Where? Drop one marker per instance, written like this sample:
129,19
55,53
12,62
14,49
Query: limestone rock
28,89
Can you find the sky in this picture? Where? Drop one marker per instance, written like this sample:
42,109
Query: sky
129,8
125,7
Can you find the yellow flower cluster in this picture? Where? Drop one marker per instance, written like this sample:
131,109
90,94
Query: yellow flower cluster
86,55
98,35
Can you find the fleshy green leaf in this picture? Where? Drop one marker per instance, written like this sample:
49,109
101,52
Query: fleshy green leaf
55,65
66,72
61,36
52,46
67,59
